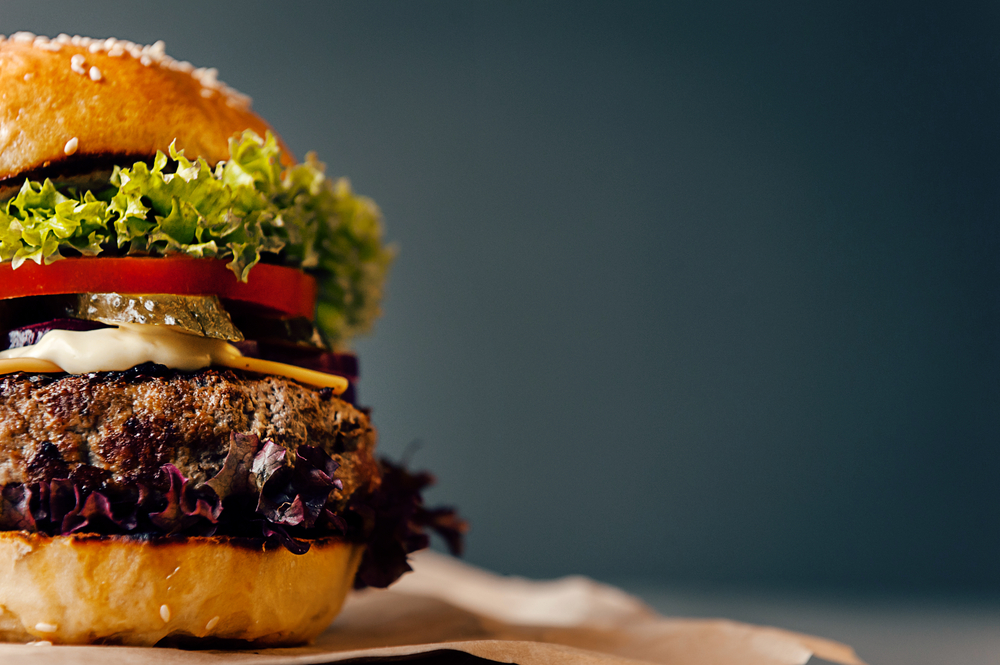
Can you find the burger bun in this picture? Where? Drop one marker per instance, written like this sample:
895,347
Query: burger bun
101,99
92,589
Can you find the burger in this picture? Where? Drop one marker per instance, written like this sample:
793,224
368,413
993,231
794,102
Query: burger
181,457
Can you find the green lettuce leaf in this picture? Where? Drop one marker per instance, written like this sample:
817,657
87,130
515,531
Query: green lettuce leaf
245,206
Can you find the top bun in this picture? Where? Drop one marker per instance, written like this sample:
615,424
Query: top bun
76,99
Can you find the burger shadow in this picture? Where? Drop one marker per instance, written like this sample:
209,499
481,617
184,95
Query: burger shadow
374,619
385,621
369,620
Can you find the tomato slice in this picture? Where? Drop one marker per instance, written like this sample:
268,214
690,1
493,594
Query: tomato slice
287,291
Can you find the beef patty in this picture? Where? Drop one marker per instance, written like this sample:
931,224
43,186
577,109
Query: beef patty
120,428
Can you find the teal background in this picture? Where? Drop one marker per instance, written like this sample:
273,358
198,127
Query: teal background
692,292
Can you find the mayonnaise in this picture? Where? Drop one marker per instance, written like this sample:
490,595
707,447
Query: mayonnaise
128,345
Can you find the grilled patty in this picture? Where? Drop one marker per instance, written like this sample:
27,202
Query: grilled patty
119,428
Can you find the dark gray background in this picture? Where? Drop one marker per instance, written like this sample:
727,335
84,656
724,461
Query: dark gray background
692,292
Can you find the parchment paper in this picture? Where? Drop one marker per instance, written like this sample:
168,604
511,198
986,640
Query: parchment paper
445,604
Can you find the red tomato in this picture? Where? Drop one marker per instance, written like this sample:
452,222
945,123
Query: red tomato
287,291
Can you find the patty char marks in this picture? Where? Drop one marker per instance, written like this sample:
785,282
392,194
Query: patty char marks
122,427
140,444
46,463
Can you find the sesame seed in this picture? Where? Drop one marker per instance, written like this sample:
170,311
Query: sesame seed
165,613
210,77
149,55
237,100
42,627
29,76
212,623
77,62
71,146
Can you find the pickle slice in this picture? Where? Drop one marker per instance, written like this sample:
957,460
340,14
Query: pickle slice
200,315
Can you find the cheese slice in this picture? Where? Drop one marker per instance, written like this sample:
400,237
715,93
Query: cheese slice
33,365
131,344
337,384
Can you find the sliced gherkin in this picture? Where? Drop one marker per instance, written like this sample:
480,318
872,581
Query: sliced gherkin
200,315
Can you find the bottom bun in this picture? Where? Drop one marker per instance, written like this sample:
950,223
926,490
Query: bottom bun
87,589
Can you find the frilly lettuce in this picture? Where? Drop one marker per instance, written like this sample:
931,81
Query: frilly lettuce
245,206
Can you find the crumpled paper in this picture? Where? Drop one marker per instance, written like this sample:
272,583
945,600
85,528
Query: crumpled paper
448,605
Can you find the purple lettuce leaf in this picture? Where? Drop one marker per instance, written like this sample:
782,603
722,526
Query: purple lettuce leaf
186,504
279,533
234,476
334,521
15,508
298,496
315,469
446,523
64,504
279,502
59,507
269,459
92,512
394,520
56,499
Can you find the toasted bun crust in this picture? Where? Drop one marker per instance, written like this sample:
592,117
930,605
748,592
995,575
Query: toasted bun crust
97,99
86,589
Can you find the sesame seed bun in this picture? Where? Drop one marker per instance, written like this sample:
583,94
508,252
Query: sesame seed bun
76,99
70,109
86,589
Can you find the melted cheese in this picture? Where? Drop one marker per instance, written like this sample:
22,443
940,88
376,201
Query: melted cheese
131,344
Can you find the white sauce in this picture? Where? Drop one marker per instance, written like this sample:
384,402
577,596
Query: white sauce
131,344
124,347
